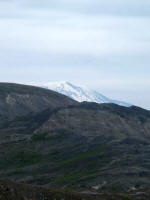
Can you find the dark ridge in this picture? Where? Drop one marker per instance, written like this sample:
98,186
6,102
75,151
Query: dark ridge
113,108
24,89
20,100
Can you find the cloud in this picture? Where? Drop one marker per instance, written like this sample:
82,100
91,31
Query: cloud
35,8
103,44
94,36
98,7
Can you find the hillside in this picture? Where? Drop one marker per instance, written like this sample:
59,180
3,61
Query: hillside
82,146
19,100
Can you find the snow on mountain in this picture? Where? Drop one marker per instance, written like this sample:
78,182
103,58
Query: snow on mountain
81,93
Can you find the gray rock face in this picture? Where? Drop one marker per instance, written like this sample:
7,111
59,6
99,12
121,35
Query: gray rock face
108,120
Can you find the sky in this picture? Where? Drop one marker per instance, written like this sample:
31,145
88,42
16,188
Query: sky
104,45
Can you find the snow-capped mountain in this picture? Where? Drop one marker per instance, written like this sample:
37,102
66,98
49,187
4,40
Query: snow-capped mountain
81,93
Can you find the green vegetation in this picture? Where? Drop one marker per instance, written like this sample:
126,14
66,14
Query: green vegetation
74,177
40,137
21,159
91,157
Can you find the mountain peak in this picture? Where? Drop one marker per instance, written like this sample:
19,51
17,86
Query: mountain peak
80,93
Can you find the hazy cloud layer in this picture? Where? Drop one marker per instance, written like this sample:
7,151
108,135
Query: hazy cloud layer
87,7
101,44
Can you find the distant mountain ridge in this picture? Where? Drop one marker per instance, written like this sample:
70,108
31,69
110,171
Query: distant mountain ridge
81,94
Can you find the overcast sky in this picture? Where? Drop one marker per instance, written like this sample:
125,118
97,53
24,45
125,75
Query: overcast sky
104,45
